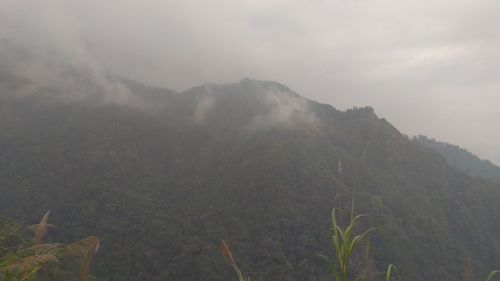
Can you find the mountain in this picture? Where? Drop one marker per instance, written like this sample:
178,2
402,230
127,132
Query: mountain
463,159
162,177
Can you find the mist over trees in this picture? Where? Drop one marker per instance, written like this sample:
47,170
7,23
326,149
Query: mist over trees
162,184
107,120
463,159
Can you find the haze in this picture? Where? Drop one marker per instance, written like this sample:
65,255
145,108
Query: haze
429,67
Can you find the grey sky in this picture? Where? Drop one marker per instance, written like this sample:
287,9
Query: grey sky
430,67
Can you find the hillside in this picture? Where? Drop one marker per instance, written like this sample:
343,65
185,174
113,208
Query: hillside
162,177
463,159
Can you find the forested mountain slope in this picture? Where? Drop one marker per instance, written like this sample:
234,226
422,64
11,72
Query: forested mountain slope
463,159
162,177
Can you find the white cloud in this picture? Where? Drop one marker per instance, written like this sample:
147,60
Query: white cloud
405,58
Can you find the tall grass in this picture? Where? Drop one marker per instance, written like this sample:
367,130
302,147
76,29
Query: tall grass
345,242
389,271
491,275
228,255
23,261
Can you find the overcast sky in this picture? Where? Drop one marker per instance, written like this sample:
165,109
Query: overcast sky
430,67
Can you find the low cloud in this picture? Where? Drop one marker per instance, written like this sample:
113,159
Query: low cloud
203,107
428,67
42,52
283,109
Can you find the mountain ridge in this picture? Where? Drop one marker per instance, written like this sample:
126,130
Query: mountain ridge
463,159
164,182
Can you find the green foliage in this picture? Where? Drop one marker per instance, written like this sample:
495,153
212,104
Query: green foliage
23,261
491,275
463,159
163,189
389,271
345,242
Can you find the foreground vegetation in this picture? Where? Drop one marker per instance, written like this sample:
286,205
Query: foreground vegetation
345,242
22,260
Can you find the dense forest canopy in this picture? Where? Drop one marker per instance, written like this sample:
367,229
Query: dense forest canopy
463,159
162,177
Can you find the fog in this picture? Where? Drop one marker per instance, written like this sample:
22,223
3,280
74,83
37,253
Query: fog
429,67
